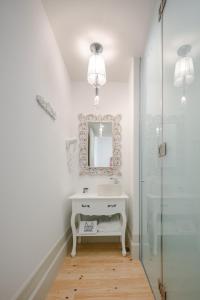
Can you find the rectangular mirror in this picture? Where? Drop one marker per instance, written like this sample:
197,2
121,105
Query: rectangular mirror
100,146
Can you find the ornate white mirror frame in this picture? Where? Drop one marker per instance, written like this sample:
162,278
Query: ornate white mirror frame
83,145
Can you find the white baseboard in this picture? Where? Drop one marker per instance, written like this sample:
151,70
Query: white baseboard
37,286
133,244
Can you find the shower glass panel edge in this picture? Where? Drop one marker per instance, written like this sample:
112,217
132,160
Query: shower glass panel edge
150,163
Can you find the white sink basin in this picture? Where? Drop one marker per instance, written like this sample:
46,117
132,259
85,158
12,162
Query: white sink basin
109,189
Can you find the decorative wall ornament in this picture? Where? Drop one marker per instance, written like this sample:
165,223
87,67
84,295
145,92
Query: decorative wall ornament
71,147
83,145
46,106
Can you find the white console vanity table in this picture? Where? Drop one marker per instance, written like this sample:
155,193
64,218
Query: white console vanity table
92,204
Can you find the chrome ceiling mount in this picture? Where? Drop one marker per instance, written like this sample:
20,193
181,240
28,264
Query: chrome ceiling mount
184,50
96,48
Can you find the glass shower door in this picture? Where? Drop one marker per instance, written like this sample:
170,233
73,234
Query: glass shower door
181,166
150,169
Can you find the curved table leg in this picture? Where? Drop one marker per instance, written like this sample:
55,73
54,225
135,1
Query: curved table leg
73,225
123,236
121,221
79,220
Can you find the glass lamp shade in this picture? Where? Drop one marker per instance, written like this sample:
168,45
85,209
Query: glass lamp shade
96,70
184,71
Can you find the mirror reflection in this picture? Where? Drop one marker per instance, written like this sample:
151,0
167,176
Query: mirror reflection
100,144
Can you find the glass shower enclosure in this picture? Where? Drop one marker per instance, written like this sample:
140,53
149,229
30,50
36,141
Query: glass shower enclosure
170,181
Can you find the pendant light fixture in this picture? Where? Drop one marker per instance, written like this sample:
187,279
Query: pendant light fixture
96,69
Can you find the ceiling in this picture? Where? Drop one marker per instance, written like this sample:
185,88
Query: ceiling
121,26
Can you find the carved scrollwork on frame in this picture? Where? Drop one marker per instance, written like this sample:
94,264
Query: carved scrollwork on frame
85,169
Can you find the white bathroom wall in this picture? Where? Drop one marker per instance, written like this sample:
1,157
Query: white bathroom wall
35,183
114,99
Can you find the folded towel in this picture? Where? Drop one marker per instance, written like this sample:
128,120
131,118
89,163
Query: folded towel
87,227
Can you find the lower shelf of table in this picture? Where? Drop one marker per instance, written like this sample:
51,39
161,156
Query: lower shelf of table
114,233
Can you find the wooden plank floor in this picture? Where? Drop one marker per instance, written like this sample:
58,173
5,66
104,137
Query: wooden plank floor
100,272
